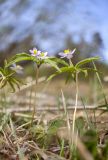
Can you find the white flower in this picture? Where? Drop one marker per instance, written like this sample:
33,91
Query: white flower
67,54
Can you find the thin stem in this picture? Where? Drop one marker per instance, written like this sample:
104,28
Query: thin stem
74,114
100,82
37,74
34,106
76,104
70,62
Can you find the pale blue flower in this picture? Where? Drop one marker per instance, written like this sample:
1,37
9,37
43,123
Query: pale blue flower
17,68
38,54
42,55
67,54
34,52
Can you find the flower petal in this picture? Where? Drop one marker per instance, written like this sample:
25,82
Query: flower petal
62,54
69,56
31,51
34,49
38,53
73,51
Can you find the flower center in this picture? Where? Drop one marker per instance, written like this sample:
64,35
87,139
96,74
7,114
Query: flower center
66,51
42,54
35,51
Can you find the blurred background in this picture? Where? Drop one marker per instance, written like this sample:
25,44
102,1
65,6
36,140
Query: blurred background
53,26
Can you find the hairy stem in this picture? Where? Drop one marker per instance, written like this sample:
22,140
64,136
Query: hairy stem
74,114
34,106
76,104
70,62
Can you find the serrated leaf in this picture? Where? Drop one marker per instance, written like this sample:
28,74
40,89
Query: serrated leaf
12,86
85,61
85,73
59,61
16,82
62,70
68,69
20,81
3,83
22,54
90,69
52,63
68,77
19,59
1,71
52,76
5,62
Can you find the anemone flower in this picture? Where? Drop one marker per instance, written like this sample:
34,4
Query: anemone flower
42,55
67,54
34,52
17,68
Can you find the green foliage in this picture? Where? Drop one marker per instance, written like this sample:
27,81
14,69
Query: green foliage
52,63
45,133
20,57
90,140
7,77
59,61
80,125
27,57
73,69
86,61
104,152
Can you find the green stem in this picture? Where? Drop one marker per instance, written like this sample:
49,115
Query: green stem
100,82
37,74
70,62
76,105
74,114
34,106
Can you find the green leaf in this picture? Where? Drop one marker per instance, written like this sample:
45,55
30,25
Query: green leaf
52,76
52,63
22,54
85,72
69,77
15,82
12,85
19,59
55,125
1,71
59,61
69,69
89,69
85,61
5,62
3,83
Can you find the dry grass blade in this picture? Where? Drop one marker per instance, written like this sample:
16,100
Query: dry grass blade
8,142
46,155
72,136
25,124
83,150
20,153
85,154
67,117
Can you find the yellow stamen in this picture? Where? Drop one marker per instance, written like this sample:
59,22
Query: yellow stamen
42,54
35,51
66,51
